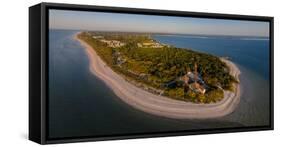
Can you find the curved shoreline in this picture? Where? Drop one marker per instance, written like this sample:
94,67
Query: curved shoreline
160,105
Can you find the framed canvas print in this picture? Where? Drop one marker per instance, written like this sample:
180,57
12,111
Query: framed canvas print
99,73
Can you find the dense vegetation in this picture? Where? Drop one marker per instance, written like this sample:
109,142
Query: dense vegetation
153,67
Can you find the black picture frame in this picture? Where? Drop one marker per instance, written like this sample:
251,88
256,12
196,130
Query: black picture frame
38,70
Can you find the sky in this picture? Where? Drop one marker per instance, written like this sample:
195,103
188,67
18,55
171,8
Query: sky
100,21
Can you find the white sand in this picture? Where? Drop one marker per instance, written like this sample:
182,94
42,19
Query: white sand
160,105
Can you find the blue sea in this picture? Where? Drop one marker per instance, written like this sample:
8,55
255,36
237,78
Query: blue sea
82,105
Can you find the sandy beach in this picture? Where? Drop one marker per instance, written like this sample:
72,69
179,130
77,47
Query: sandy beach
160,105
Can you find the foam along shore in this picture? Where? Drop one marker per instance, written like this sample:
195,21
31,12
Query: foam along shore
160,105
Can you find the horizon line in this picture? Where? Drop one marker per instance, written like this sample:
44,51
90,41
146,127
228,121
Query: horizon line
164,33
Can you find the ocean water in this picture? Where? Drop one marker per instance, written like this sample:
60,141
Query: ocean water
80,104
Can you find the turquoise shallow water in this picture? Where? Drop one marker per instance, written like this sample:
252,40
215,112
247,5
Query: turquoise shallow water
82,105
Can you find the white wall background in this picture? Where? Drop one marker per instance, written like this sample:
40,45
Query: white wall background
14,71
